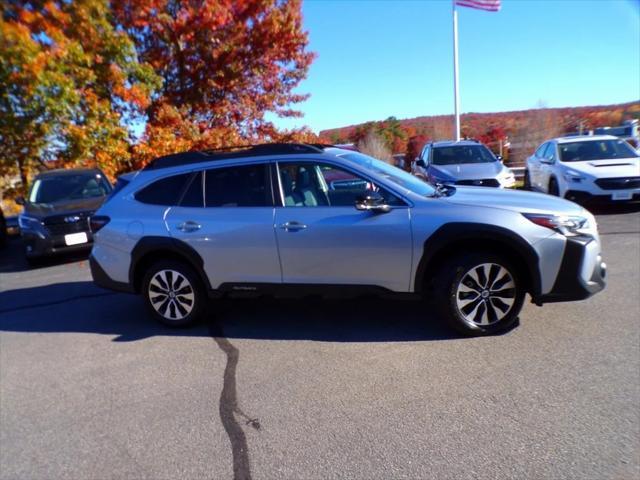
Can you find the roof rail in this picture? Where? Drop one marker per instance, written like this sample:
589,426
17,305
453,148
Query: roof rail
322,146
225,153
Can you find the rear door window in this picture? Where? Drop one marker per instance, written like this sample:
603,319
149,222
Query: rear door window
241,186
193,196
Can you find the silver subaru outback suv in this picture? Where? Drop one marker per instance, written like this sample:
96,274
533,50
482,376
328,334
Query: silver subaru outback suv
302,219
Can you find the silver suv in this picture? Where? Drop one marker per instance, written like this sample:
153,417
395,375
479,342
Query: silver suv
317,219
465,162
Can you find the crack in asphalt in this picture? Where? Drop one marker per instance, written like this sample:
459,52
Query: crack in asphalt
56,302
229,408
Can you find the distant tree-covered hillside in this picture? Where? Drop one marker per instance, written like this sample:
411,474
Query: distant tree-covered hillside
523,129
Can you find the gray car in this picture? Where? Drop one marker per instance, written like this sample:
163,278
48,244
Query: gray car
268,219
56,212
466,162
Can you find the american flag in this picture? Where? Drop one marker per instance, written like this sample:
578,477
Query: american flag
489,5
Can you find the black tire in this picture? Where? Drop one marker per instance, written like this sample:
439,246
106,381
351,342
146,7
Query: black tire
527,180
169,304
466,307
3,232
553,187
34,261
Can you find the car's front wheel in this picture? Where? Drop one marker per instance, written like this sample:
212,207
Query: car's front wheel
173,293
480,293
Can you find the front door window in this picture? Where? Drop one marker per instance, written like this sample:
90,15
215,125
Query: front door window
324,185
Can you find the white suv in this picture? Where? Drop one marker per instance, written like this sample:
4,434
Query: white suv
585,169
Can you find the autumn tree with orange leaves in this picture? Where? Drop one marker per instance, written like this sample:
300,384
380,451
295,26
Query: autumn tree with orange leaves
70,86
224,64
78,78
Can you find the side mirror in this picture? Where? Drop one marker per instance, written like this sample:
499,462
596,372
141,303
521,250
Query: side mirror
499,157
420,163
372,202
547,160
20,200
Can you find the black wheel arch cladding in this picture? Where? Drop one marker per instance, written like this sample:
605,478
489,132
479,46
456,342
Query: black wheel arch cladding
152,248
453,238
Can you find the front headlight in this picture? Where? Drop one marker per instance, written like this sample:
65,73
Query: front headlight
573,176
26,222
568,225
507,178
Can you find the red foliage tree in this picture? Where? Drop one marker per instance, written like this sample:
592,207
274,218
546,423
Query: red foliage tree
492,136
225,64
414,147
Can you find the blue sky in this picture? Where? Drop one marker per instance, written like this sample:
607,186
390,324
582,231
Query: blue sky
383,58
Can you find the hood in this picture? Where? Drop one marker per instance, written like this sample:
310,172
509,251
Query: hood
515,200
469,171
619,167
42,210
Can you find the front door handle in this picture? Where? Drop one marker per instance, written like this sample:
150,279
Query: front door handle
189,226
293,226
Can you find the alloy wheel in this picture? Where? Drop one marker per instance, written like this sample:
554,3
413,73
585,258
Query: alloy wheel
485,294
171,294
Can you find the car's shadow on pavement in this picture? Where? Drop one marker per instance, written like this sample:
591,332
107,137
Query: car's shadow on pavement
364,319
81,307
613,209
13,260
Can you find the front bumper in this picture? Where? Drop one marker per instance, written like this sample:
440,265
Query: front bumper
586,198
41,244
582,272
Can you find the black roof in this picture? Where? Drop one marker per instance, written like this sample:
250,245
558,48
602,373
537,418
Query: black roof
265,149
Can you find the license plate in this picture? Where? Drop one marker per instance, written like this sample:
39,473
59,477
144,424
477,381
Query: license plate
621,195
76,238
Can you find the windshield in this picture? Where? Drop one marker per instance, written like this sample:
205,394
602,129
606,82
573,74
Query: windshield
595,150
462,154
68,187
391,173
616,131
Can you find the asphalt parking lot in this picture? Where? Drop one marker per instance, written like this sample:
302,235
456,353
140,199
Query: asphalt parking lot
91,388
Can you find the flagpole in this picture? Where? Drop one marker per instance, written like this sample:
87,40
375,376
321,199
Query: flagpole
456,96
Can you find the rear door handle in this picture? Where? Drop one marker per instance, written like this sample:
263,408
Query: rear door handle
293,226
189,226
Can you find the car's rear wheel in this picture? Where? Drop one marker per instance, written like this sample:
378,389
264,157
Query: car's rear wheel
480,293
553,187
527,180
173,293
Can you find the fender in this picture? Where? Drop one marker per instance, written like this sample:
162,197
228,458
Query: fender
147,245
450,234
